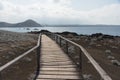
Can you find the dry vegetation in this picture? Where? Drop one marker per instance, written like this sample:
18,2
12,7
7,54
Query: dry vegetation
105,49
13,44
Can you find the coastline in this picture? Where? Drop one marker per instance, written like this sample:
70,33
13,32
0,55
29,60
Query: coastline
79,30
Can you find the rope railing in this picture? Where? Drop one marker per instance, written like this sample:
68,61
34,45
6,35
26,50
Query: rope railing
21,56
99,69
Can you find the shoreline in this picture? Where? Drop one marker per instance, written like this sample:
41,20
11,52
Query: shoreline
80,30
76,34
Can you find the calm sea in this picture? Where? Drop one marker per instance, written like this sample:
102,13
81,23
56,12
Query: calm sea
80,30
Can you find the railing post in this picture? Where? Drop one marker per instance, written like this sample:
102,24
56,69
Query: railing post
38,57
80,61
53,36
66,47
56,39
60,42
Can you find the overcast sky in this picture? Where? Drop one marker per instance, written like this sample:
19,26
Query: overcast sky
61,11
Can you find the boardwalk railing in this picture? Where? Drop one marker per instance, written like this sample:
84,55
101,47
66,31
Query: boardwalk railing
80,53
21,56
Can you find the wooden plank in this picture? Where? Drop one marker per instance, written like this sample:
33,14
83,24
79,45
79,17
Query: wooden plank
54,58
55,64
50,79
58,69
58,73
52,54
59,77
64,66
55,61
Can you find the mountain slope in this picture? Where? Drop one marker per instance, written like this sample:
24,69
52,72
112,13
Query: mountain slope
27,23
4,24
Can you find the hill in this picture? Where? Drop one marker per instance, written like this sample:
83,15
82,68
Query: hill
4,24
27,23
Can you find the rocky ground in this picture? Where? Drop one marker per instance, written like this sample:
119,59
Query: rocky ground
105,49
13,44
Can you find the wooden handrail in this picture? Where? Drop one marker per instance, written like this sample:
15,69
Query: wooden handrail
99,69
21,56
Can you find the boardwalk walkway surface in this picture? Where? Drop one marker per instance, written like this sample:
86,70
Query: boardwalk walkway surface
55,64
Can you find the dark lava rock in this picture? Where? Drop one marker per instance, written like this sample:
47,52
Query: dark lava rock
67,33
115,62
108,36
96,35
102,36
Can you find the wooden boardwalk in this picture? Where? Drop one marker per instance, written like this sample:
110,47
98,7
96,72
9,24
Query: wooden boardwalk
55,64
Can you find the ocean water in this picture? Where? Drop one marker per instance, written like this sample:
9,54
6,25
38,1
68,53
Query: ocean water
111,30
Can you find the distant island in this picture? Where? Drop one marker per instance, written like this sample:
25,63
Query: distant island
81,25
27,23
32,23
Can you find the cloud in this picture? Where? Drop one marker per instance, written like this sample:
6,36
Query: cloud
56,1
58,11
1,6
106,15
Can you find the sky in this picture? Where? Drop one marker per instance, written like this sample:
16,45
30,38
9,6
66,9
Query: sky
61,11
